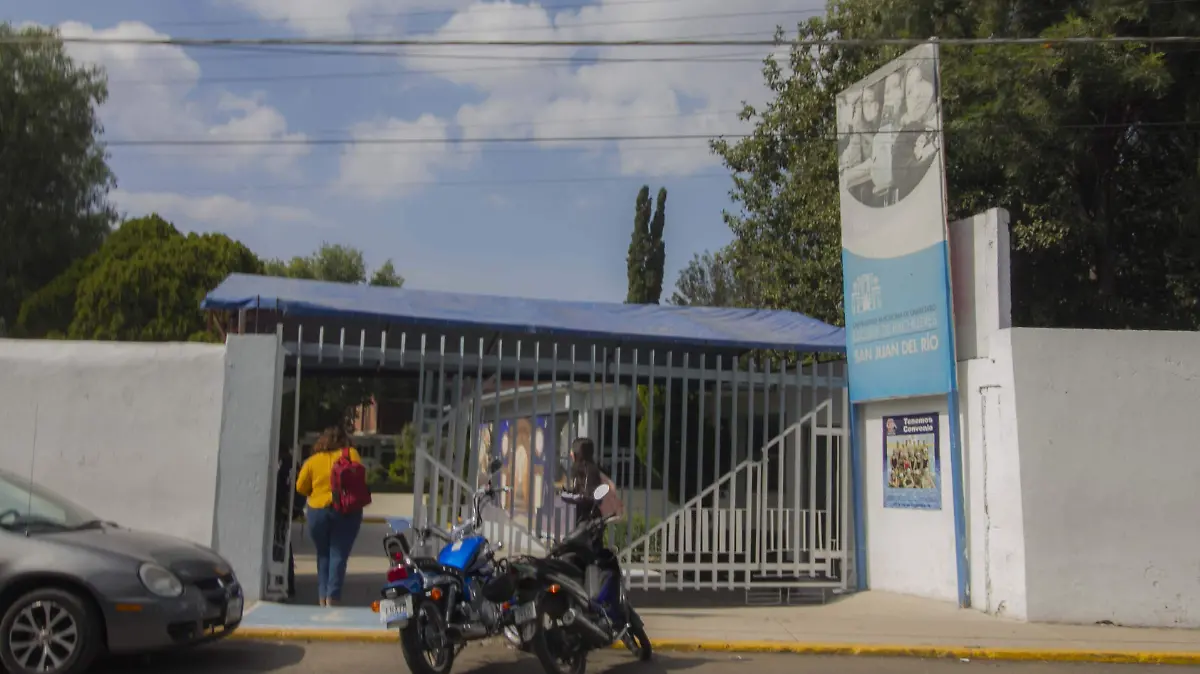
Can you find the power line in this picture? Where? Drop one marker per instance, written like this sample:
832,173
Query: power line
440,183
556,7
398,72
251,142
409,42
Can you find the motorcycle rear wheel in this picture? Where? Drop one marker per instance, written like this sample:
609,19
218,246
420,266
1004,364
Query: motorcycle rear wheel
549,642
423,641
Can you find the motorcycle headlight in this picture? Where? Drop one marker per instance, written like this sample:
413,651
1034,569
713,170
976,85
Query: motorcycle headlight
160,581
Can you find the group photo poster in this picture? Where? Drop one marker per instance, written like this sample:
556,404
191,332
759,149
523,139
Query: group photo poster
912,467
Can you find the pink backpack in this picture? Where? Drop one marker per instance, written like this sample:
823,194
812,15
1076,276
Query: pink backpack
349,484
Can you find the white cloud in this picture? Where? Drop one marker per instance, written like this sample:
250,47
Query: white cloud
150,97
642,98
389,171
220,212
343,17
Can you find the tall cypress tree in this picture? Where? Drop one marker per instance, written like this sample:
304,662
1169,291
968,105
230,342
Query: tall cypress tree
647,252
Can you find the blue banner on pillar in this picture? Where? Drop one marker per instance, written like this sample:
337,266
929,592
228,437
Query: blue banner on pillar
894,249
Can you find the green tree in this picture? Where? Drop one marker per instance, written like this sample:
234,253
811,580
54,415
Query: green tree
647,252
330,402
150,287
1087,145
54,179
386,276
401,470
709,281
50,311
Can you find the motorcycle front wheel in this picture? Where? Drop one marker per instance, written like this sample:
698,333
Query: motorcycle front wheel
423,641
558,649
636,639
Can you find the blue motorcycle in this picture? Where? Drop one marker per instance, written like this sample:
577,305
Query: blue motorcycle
439,604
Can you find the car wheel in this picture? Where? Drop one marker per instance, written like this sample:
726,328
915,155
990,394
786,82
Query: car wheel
49,631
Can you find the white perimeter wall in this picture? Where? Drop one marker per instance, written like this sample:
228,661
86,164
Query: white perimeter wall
908,551
130,431
1110,475
177,439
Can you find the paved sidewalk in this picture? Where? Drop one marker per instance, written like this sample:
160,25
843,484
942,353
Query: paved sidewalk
866,623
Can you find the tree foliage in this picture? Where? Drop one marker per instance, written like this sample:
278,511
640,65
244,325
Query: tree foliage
54,179
709,281
330,402
1092,149
144,284
647,252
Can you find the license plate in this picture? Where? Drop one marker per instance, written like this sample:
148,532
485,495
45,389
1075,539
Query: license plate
395,610
525,613
233,610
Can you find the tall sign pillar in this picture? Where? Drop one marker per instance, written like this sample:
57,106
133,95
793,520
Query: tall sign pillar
896,275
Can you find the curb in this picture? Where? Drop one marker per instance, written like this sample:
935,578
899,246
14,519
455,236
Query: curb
790,648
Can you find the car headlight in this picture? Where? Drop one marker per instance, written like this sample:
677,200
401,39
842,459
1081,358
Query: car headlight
160,581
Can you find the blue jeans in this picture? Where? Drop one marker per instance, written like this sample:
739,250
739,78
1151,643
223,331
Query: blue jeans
333,535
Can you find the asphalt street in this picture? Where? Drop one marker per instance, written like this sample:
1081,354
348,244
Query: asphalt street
246,657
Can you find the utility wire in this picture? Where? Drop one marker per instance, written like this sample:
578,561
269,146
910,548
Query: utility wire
409,42
251,142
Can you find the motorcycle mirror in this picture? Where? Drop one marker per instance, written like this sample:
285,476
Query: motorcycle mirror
600,492
494,466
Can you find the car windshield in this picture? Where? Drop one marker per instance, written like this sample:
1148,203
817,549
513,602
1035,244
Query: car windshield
26,507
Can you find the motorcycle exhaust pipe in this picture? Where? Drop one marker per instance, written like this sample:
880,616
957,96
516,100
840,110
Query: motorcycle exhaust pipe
465,632
573,618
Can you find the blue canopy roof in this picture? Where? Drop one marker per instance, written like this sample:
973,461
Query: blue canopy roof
700,326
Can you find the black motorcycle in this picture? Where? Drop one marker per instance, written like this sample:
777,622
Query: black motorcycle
579,595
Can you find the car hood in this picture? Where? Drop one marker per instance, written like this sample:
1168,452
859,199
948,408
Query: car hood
186,559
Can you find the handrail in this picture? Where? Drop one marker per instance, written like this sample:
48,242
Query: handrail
678,514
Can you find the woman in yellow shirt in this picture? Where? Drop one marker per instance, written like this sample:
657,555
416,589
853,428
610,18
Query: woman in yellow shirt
332,533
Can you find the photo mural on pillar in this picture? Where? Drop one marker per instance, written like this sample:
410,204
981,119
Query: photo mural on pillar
894,233
522,443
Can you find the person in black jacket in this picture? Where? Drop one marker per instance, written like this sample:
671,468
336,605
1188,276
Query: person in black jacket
585,474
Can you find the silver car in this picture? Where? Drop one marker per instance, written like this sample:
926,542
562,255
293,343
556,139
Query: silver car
73,587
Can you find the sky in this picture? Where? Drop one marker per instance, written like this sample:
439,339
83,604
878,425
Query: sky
542,218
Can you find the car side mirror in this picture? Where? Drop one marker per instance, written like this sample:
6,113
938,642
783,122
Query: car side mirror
600,493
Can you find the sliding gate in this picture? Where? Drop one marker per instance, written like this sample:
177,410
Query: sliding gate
732,468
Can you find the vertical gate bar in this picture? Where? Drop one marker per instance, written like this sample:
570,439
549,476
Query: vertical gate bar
648,461
684,530
362,347
403,346
438,448
751,502
625,466
764,497
844,475
474,478
513,421
530,493
550,461
731,524
320,343
419,442
603,436
341,346
781,520
574,417
594,434
714,523
798,519
459,427
669,533
827,431
383,348
812,480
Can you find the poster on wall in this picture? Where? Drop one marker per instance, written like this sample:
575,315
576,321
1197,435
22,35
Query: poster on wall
524,444
894,232
912,466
